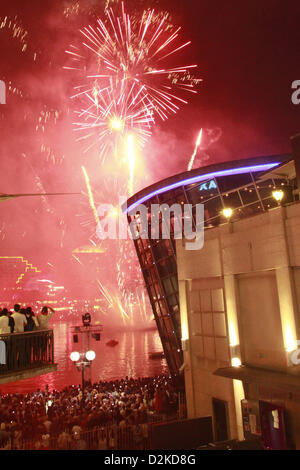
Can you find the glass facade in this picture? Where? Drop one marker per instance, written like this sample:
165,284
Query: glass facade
246,194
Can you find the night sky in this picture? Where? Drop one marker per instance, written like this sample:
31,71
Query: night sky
248,55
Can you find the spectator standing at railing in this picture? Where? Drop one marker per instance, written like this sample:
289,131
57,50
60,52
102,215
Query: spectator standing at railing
16,308
19,319
43,324
44,318
78,443
4,322
45,442
138,437
32,323
17,439
11,322
64,441
102,439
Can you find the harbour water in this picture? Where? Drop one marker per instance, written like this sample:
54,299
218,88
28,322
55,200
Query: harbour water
130,357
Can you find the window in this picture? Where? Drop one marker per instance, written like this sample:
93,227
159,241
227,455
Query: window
157,251
228,183
166,247
269,203
248,195
157,309
167,286
213,208
171,265
248,211
139,245
175,283
172,301
232,200
202,192
265,188
162,268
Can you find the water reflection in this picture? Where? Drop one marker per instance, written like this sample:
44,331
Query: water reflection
130,357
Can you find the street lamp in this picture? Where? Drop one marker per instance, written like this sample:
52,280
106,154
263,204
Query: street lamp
90,355
82,360
86,331
74,356
278,195
227,212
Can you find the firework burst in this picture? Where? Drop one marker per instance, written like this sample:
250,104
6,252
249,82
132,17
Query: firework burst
110,112
123,62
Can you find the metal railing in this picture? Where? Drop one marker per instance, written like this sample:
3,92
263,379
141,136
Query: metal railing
107,437
26,350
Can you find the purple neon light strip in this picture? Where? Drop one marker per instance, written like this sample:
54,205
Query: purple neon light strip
196,179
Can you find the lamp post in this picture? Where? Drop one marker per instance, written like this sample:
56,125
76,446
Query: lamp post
278,195
82,360
83,334
227,212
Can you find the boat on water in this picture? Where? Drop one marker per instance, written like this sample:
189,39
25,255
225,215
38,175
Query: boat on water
157,355
112,343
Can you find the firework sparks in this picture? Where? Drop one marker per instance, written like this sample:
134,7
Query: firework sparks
106,116
90,194
124,314
131,161
198,142
126,84
17,30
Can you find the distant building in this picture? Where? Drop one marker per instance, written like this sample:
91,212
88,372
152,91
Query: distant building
15,271
229,314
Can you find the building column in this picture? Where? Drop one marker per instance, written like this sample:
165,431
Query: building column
286,295
187,349
234,342
287,308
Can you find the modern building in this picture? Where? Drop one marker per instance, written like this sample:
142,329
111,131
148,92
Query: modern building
228,314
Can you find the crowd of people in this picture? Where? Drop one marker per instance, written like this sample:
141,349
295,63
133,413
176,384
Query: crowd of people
40,419
66,415
24,319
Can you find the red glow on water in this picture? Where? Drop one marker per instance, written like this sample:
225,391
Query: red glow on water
130,357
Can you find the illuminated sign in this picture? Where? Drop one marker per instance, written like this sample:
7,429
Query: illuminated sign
198,178
208,185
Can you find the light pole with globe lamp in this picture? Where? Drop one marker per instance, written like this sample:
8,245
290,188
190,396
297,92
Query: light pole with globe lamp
278,195
81,361
85,333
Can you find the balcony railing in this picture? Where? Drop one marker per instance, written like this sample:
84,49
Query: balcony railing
26,350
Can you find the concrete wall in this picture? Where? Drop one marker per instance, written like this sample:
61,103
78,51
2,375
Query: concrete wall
240,300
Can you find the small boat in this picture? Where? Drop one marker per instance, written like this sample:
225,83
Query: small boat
157,355
112,343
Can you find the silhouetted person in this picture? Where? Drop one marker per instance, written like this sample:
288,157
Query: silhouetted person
16,308
44,317
11,321
19,318
20,341
30,345
4,322
31,320
43,322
